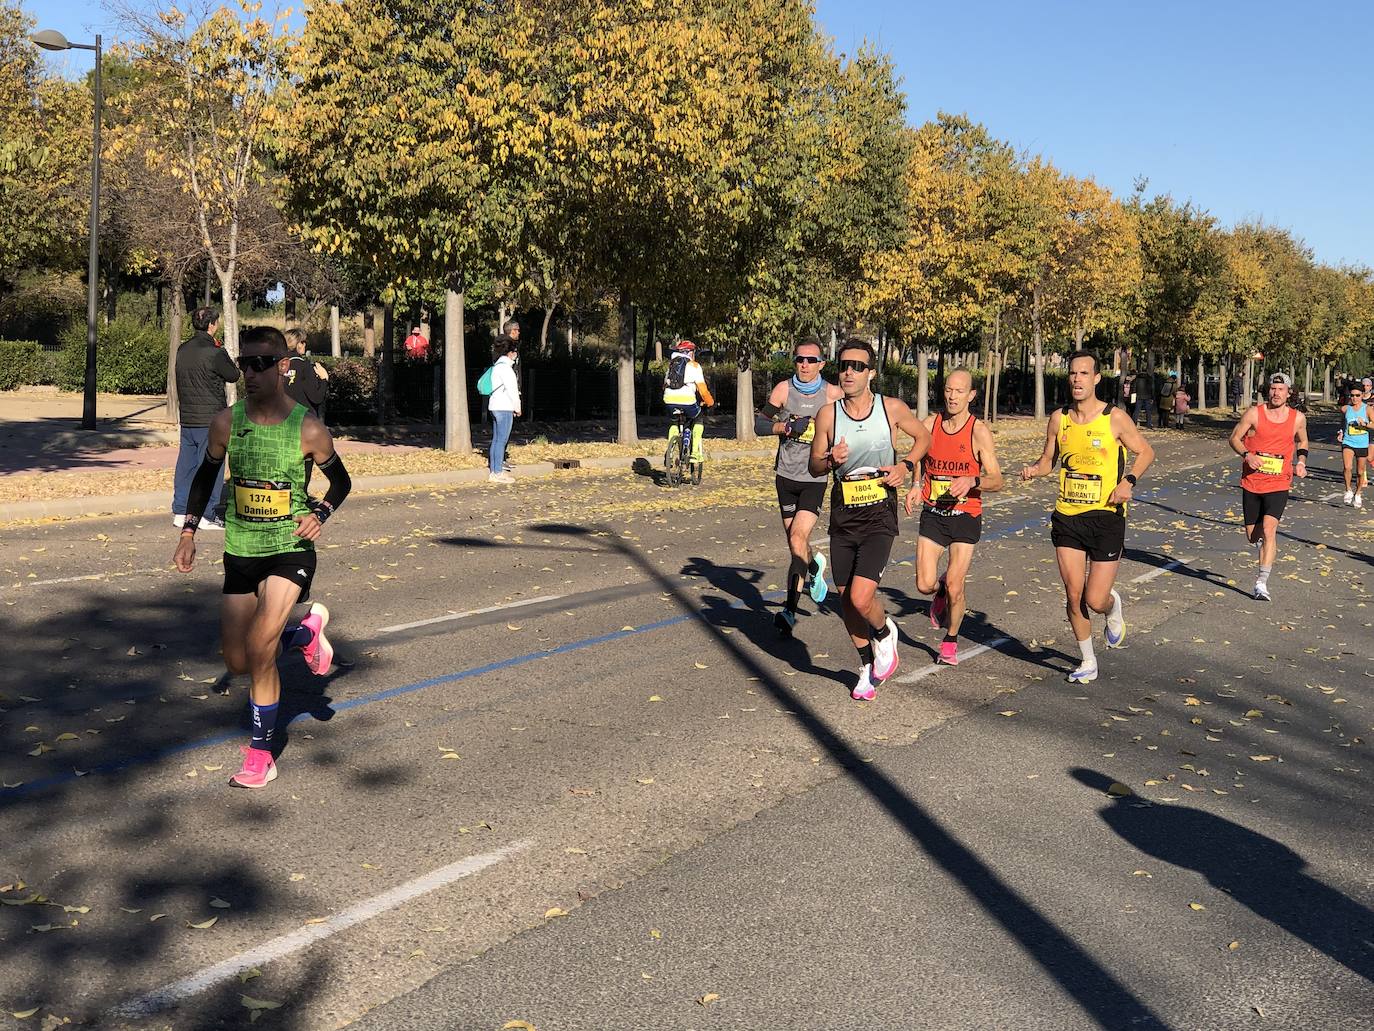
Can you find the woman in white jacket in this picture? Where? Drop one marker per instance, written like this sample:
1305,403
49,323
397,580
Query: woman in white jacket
504,405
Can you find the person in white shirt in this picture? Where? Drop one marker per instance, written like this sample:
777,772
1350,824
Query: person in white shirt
504,405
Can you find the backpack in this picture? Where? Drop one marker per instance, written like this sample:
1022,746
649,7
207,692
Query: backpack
484,382
676,375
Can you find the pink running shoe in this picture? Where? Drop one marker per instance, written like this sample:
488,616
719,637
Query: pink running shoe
864,690
939,607
258,769
319,653
949,653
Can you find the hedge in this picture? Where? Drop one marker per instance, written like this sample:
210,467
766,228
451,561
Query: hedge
131,357
22,363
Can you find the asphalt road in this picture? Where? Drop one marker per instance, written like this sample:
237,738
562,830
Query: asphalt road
566,773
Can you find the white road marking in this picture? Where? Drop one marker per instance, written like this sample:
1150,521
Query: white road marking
89,576
964,656
171,994
450,617
1166,568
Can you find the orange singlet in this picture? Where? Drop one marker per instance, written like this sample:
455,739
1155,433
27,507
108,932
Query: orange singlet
950,456
1275,443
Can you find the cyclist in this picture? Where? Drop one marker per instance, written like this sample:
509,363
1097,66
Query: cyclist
685,392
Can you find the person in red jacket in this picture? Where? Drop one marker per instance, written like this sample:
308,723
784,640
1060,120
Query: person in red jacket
1272,439
416,345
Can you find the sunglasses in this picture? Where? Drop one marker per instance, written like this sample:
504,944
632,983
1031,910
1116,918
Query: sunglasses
806,359
257,362
853,365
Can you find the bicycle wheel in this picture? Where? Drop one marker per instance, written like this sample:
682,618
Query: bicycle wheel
672,464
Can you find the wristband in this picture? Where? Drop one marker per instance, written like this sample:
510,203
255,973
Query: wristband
322,510
190,524
910,466
1302,454
185,532
1130,478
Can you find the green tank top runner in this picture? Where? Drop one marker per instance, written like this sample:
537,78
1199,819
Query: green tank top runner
267,486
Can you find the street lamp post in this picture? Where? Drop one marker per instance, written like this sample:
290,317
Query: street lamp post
50,39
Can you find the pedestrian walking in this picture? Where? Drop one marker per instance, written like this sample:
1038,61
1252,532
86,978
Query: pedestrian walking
1167,386
203,368
1182,400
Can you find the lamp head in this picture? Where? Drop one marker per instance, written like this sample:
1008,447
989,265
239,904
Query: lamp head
51,39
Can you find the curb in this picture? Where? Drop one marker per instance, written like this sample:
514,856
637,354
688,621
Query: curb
128,504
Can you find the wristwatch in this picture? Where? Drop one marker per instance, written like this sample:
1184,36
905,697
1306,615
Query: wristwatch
1130,478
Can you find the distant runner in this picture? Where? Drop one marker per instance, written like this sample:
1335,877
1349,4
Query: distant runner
270,529
960,465
1269,436
1355,444
856,442
1089,439
790,415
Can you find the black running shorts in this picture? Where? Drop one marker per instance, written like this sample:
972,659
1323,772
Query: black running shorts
1257,506
799,496
954,528
245,575
1360,452
1101,534
859,556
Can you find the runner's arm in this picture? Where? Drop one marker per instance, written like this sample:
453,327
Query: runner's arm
703,391
318,445
991,477
913,493
1046,461
1126,431
819,464
201,488
1246,424
766,422
902,417
1300,434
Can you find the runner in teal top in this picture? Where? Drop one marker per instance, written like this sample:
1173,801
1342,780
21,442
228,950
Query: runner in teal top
1355,444
270,530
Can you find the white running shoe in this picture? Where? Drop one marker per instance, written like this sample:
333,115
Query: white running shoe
1083,675
1359,501
1261,592
1350,497
885,659
864,690
1116,624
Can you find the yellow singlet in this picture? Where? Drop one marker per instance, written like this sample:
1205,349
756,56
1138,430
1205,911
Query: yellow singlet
1091,464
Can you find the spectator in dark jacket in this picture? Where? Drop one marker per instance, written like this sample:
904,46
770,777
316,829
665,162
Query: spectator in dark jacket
203,368
306,381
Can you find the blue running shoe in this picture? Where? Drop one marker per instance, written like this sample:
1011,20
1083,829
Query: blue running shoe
816,585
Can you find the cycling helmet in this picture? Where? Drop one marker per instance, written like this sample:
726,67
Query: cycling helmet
685,345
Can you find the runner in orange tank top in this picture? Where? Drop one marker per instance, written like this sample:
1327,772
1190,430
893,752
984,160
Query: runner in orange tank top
959,466
1268,437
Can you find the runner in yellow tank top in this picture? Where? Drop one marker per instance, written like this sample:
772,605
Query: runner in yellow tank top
1089,439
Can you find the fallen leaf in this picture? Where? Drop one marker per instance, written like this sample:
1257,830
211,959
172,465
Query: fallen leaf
258,1004
699,665
518,1025
655,698
247,975
126,909
68,736
219,903
646,780
450,755
1008,712
1116,789
156,917
512,627
1196,907
707,999
25,1014
554,913
1262,758
298,876
204,925
1234,946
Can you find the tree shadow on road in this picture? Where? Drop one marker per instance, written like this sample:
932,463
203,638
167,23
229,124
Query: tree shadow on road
1265,876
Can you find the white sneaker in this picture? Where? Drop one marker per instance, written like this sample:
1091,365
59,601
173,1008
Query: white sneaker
864,691
1261,592
1359,501
885,659
1116,623
180,520
1083,675
212,524
1349,497
500,478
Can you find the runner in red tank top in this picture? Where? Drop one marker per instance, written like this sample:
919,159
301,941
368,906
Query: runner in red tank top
959,466
1268,437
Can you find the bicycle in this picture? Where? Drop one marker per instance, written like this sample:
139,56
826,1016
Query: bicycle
677,460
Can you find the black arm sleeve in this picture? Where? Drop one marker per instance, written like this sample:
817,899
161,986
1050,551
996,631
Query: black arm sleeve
339,485
763,420
225,367
201,488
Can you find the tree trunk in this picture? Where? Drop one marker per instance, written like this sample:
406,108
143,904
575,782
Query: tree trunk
658,350
335,346
229,318
627,432
178,305
386,367
457,428
1078,337
1249,383
1306,380
996,360
832,343
369,332
1201,399
544,332
1039,355
744,397
922,384
569,330
160,318
1326,382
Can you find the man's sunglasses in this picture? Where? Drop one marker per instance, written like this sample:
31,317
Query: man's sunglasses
853,365
258,362
806,359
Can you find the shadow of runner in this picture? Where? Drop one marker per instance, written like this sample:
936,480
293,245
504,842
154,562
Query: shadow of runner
1258,872
1100,995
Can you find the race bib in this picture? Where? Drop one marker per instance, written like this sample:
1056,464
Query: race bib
1270,465
1081,489
1357,428
262,501
809,433
867,491
939,487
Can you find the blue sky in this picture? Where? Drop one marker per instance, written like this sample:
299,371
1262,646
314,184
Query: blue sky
1255,110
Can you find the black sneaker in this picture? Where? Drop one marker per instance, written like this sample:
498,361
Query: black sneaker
785,620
